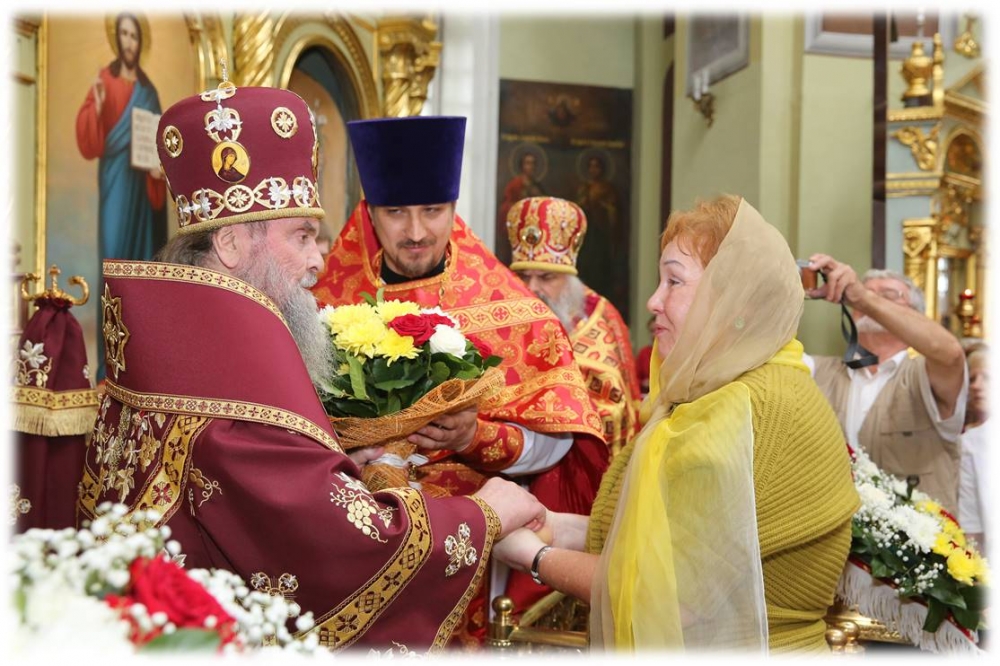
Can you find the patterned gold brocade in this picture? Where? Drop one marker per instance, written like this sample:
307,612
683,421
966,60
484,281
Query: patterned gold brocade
475,319
227,409
141,454
179,273
345,624
51,413
603,352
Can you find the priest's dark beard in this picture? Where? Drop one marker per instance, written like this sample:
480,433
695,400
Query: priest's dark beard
298,306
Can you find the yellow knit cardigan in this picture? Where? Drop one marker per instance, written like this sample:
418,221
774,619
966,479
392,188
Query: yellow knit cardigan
805,501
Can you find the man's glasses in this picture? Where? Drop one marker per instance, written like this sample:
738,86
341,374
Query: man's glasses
892,294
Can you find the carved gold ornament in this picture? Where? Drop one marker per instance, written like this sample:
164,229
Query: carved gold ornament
173,142
923,146
966,45
284,123
116,335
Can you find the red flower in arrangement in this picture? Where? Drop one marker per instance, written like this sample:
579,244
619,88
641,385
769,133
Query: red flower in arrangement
420,327
162,586
484,349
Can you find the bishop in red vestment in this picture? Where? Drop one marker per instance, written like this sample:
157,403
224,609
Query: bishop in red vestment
210,416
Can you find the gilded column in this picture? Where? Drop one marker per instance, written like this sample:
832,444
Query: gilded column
253,49
408,59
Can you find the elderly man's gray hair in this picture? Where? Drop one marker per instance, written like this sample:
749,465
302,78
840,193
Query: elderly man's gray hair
916,293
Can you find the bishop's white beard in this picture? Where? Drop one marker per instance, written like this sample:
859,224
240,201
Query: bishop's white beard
568,305
298,306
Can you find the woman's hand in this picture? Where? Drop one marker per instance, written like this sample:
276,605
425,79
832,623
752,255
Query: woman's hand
569,530
518,549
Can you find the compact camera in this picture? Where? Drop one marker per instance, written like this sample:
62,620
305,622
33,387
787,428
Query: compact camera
810,276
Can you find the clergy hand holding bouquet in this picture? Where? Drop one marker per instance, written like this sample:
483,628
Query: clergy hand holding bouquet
398,369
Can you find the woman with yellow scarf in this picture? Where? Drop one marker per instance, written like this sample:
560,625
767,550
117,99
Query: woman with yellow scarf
726,522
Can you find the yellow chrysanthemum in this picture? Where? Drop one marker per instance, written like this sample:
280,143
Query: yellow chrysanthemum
982,569
389,310
955,532
929,506
943,546
395,346
347,317
357,329
961,566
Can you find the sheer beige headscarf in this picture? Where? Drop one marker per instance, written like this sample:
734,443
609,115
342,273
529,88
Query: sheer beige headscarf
681,566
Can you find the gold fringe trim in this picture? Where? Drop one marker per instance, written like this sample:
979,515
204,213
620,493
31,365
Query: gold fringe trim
36,420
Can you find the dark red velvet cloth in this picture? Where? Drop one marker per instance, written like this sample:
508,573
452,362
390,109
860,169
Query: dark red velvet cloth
48,466
207,369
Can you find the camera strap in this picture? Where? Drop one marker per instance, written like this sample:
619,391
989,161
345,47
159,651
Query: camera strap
850,331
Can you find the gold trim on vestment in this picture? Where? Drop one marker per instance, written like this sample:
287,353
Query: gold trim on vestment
510,312
355,615
39,411
155,270
493,529
236,410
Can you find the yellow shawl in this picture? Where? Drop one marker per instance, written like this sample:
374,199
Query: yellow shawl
682,567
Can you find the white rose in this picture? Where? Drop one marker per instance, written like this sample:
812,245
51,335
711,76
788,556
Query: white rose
448,340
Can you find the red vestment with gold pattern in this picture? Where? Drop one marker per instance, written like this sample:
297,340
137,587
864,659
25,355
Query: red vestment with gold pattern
209,417
544,387
603,351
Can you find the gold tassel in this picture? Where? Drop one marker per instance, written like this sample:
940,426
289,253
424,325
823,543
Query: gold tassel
36,420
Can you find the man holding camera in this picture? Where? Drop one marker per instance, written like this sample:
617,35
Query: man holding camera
907,409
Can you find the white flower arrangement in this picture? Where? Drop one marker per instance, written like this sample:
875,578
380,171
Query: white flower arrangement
911,566
75,589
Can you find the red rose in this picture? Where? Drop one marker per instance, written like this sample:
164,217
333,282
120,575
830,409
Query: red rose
162,586
484,349
419,327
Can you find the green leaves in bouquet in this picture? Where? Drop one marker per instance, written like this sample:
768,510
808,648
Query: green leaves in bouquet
181,640
375,387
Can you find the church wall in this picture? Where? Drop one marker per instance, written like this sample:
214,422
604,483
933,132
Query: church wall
654,56
578,49
835,179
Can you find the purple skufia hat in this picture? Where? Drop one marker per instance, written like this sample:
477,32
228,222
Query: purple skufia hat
409,161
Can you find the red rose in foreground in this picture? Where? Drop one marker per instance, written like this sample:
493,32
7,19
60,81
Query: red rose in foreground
162,586
484,349
419,327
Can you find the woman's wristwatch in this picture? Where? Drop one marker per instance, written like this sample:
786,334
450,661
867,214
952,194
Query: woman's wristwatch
537,561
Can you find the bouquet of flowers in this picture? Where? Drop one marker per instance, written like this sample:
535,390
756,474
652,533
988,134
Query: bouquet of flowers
399,366
118,585
911,566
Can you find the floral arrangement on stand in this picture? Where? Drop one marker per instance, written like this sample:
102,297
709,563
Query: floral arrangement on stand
911,566
399,366
118,586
